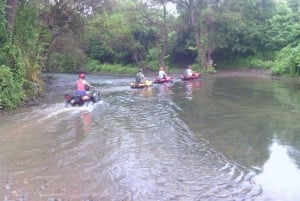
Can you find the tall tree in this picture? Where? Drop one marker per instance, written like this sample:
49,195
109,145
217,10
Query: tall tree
3,22
63,24
283,27
10,14
155,14
192,8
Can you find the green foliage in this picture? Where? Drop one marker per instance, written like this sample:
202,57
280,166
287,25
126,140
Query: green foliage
69,61
11,88
100,51
287,62
13,59
25,28
183,50
151,59
20,56
211,69
12,69
27,38
14,87
229,29
282,29
250,62
95,67
92,65
119,39
3,34
19,61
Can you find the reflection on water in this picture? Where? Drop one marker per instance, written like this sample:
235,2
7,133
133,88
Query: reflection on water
87,120
164,90
280,177
190,86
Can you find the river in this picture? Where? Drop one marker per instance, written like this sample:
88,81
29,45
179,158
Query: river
219,138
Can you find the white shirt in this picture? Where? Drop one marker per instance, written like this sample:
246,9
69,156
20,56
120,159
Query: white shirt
161,74
188,72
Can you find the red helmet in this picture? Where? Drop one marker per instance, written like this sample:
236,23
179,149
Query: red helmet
81,75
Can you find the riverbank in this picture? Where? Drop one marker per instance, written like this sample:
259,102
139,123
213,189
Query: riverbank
247,72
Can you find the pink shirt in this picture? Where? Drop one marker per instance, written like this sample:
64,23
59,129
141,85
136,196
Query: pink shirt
80,85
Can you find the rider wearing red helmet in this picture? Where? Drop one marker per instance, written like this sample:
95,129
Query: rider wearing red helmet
82,84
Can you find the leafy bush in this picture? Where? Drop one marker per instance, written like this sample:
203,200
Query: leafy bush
254,61
151,59
11,89
287,62
3,34
15,88
95,67
13,58
30,88
211,69
68,61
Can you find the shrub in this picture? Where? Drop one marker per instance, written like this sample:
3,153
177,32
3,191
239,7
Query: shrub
287,62
68,62
11,89
95,67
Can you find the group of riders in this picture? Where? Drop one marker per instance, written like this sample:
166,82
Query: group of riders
140,77
82,85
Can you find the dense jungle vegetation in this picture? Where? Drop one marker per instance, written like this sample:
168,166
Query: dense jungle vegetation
119,36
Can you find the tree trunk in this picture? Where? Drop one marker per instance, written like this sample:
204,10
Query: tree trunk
10,14
164,34
136,58
200,51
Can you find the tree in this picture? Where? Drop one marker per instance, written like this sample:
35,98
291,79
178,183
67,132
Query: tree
283,27
11,9
192,8
154,14
64,22
3,22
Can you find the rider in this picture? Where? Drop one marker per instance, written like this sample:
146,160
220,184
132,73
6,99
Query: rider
82,84
188,71
140,77
161,73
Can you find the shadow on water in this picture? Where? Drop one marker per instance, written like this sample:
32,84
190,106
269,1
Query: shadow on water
211,139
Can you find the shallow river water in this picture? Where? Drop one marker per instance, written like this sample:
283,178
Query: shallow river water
220,138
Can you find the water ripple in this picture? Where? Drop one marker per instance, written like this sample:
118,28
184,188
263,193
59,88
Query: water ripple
134,146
